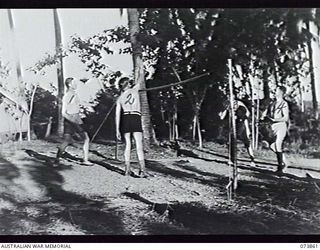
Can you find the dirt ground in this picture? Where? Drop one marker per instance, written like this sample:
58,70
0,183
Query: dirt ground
182,195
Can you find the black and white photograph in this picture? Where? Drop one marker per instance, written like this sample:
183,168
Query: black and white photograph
159,121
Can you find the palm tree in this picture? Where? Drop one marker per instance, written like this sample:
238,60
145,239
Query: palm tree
312,76
139,74
58,38
19,71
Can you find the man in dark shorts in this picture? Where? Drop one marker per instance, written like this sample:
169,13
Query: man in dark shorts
72,121
129,123
242,114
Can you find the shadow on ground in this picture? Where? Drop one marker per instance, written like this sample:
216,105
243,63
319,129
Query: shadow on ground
60,211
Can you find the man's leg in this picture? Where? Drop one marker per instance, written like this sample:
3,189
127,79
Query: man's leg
138,137
66,142
86,149
250,153
278,147
244,135
127,152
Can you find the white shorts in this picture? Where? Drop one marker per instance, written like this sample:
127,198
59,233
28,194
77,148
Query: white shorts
279,130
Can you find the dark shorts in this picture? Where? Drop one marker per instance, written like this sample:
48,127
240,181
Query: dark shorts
131,123
70,128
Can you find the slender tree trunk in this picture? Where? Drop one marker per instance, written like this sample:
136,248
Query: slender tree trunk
58,38
139,75
257,126
20,127
30,112
170,130
266,91
49,126
18,69
16,50
199,130
173,127
194,127
300,94
176,129
251,78
312,77
275,72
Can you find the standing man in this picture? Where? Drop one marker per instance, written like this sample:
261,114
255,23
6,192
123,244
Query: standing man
242,126
277,114
72,121
129,123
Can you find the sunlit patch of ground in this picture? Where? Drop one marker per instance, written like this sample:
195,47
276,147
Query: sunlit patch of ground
183,195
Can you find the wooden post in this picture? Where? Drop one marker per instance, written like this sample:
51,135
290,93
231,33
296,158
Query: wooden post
232,133
257,127
251,77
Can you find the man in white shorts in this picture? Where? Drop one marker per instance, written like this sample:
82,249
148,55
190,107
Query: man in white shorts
277,114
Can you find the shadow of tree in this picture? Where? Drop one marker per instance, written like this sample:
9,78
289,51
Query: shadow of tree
90,216
223,221
216,181
8,171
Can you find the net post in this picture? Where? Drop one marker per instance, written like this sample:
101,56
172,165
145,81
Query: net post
232,134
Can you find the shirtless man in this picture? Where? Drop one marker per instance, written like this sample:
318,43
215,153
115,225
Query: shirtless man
242,126
72,121
129,123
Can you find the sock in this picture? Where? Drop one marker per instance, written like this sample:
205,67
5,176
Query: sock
251,158
127,166
142,165
59,154
280,159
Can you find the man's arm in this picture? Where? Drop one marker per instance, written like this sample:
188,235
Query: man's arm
223,114
264,114
240,103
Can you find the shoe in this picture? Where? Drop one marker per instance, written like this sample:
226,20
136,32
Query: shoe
56,162
281,168
265,144
253,164
285,161
128,173
87,163
142,174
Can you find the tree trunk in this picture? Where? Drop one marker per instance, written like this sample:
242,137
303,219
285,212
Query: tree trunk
194,127
300,95
257,126
49,126
58,38
16,51
139,75
175,117
266,90
18,68
199,130
312,77
20,128
30,112
170,129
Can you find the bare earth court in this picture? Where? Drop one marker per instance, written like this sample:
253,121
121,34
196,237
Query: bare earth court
182,195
